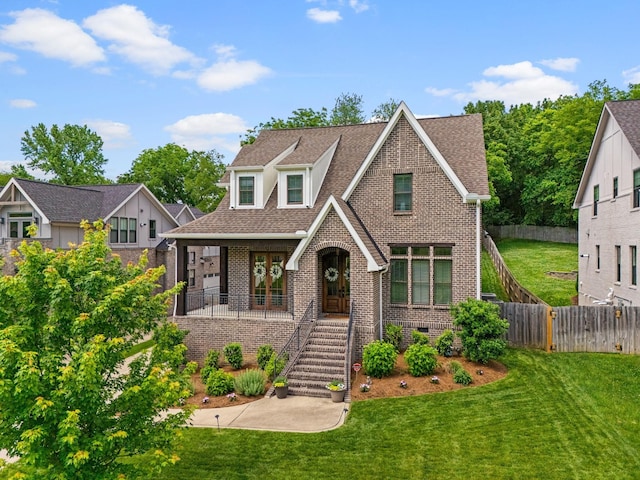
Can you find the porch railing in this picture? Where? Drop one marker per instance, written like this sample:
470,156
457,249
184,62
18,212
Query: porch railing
288,354
348,360
212,303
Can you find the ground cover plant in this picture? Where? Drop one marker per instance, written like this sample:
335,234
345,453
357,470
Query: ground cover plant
530,261
552,417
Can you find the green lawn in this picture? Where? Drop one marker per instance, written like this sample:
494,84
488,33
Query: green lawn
530,260
555,416
490,280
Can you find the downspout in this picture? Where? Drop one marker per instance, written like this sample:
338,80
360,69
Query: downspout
172,246
478,250
384,270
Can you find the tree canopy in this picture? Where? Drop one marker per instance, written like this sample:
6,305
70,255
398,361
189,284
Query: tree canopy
68,407
177,175
72,154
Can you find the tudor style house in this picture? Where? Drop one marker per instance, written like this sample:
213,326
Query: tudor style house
362,224
135,216
608,203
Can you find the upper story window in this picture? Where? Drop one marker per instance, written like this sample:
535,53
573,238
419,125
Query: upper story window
596,199
152,229
636,188
615,187
123,230
19,223
294,189
246,190
402,192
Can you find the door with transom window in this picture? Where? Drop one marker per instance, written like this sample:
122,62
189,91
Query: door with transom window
336,281
268,281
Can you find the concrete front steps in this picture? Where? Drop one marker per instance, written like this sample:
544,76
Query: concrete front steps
321,360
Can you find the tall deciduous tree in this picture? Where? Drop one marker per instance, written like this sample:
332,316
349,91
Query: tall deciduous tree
302,117
72,154
347,110
384,111
177,175
68,407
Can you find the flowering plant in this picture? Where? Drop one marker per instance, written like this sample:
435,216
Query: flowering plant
403,384
232,397
435,379
364,387
335,386
205,400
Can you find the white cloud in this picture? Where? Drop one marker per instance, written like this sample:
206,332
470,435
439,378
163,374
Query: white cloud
358,6
7,57
440,92
524,84
230,74
114,134
138,39
207,131
22,103
632,75
562,64
43,32
323,16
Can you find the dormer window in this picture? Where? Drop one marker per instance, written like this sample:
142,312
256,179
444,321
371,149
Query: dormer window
246,191
294,189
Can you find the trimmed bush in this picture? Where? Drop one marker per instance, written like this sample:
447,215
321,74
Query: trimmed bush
219,383
233,355
421,359
462,377
444,343
263,355
454,366
211,364
251,383
276,364
393,335
419,338
482,329
379,358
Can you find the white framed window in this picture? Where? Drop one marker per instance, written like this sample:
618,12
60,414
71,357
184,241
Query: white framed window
246,190
123,230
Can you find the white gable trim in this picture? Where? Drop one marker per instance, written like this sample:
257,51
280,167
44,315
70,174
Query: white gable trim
293,263
404,110
33,204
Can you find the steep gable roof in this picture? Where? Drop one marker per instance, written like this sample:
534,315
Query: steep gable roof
627,114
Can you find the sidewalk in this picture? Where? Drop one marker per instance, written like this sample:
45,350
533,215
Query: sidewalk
291,414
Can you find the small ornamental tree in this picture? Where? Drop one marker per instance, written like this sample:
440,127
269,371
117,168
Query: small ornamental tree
70,407
481,329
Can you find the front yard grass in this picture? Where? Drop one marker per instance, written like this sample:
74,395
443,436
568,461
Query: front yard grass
554,416
530,260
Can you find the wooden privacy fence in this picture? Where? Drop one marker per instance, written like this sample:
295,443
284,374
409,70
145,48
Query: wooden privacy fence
573,329
515,291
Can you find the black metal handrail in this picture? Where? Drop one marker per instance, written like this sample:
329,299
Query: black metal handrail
286,357
348,360
212,303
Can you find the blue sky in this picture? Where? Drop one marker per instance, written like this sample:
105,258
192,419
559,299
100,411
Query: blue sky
199,73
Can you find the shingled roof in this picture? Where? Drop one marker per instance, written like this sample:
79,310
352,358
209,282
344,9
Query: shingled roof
459,139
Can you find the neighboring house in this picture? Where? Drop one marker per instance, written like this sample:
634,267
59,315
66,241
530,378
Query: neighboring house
379,221
135,215
608,203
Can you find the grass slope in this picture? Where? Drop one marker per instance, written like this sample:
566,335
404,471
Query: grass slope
529,260
490,279
555,417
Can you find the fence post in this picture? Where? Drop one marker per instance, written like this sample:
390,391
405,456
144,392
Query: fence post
550,316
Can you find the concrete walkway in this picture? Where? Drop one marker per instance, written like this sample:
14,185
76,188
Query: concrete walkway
291,414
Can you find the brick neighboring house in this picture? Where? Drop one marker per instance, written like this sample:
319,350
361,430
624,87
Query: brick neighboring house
608,203
136,217
379,221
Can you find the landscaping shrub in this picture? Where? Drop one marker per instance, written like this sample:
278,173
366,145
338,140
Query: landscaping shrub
421,359
419,338
454,366
169,348
219,383
251,383
444,343
263,355
482,329
379,358
211,364
462,377
276,364
233,355
393,335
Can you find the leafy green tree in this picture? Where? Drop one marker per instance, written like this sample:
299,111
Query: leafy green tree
347,110
177,175
4,178
72,154
20,171
68,406
384,111
302,117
